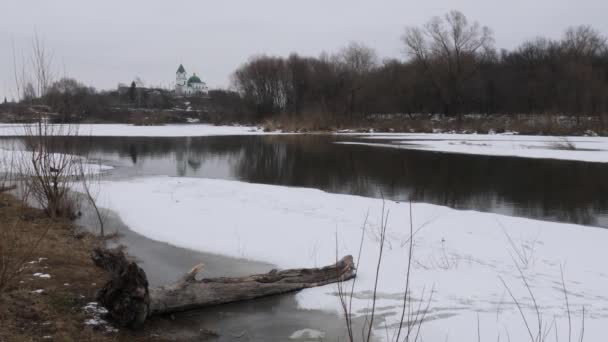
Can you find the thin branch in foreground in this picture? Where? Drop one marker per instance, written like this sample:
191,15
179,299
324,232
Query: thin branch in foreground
536,308
567,304
407,277
523,316
383,227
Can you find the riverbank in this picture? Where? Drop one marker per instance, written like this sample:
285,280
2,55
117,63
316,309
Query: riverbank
53,298
589,148
125,130
535,125
434,123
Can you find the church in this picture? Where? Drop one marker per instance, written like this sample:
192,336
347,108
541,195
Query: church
188,86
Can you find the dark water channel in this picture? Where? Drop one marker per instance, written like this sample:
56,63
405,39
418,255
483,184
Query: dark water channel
565,191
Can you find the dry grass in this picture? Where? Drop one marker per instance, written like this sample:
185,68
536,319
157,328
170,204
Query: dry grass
303,123
424,123
64,255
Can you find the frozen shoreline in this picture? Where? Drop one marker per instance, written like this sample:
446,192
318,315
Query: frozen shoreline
588,149
460,254
125,130
15,161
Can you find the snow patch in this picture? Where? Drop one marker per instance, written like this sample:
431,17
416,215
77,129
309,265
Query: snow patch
589,149
37,261
95,311
307,334
123,130
13,161
42,275
459,256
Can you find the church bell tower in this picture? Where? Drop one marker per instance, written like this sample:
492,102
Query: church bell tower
180,80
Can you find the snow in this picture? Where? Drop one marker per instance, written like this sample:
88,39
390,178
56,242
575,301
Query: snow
96,311
95,321
37,261
124,130
93,308
42,275
14,161
459,256
589,149
307,334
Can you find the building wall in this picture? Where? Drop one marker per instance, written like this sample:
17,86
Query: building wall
181,87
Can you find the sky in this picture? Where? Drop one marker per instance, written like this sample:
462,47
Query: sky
102,43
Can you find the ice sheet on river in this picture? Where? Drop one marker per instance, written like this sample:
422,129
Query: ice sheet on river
20,162
124,130
590,149
459,254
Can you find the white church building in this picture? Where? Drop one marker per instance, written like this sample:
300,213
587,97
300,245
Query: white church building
185,85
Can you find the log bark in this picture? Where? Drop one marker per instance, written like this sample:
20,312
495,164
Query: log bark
130,302
126,295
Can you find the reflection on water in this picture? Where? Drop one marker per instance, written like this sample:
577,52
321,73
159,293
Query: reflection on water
547,189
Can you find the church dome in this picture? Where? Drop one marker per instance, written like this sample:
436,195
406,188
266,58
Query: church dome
194,79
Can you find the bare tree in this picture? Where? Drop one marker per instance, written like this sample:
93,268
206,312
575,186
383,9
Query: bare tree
584,41
358,61
41,60
358,58
46,174
18,74
263,82
33,74
447,49
29,92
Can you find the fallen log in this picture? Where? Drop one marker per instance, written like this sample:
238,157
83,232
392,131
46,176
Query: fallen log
129,300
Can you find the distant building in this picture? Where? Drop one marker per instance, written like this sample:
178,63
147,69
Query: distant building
185,85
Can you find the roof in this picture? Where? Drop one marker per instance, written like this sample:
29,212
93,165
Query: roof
194,79
181,69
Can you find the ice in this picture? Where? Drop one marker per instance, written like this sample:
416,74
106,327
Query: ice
125,130
589,149
14,161
461,257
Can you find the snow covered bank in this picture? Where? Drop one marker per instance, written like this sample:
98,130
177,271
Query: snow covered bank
12,161
589,149
124,130
461,254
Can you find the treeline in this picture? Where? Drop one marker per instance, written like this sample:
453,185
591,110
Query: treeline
68,100
451,67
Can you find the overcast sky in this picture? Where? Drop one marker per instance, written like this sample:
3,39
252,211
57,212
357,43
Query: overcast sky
104,42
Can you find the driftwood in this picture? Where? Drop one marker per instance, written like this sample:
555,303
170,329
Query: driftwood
130,302
126,295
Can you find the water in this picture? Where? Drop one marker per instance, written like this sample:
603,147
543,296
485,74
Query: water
564,191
